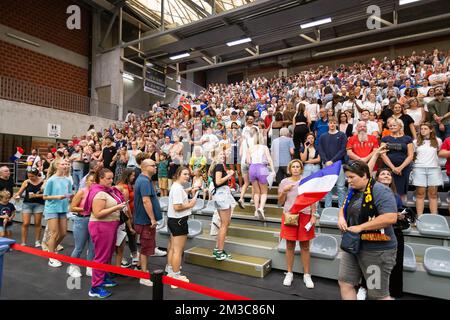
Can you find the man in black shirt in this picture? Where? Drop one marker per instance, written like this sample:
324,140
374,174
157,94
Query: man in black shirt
108,153
6,181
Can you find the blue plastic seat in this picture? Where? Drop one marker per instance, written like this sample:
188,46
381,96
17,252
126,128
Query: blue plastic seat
282,247
195,228
164,203
209,208
324,246
437,261
434,225
329,217
409,259
199,205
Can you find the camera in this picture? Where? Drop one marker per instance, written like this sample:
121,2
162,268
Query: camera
394,146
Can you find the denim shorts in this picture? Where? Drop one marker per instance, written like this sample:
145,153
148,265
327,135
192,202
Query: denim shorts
426,177
223,200
60,215
28,207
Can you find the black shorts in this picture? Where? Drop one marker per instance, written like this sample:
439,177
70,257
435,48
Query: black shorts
178,226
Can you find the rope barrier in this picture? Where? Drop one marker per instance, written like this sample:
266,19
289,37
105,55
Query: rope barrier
130,273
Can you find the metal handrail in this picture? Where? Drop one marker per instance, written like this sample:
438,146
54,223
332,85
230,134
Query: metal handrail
28,92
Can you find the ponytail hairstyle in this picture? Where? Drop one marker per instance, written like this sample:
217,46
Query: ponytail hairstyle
101,173
215,153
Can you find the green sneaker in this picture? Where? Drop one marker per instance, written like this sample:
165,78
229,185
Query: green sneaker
221,255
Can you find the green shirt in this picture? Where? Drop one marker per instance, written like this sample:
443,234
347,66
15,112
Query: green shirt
440,109
163,169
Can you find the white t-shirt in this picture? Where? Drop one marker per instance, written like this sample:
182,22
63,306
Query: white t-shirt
372,106
426,155
247,142
210,144
313,110
32,162
351,105
177,195
415,114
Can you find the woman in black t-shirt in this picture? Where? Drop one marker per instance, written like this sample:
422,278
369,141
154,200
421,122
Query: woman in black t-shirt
408,123
223,200
33,204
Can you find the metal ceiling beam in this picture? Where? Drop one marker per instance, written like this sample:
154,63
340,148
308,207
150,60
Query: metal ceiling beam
197,9
326,42
111,23
195,23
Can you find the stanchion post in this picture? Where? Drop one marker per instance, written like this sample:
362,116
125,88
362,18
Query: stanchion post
4,247
158,286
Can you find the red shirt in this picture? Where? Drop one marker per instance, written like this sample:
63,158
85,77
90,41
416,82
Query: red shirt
446,146
268,121
362,149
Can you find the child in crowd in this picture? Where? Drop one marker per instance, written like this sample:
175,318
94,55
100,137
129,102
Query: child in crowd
198,182
163,170
7,214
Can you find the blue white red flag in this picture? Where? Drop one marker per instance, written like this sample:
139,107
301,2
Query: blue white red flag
18,154
316,186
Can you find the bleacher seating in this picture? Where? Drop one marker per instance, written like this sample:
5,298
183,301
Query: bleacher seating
433,225
195,228
209,208
409,259
437,261
164,203
282,247
329,217
324,246
199,205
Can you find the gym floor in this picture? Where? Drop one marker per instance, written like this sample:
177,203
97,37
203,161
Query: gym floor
28,277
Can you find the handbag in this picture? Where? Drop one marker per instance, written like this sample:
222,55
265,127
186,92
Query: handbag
290,219
123,217
351,242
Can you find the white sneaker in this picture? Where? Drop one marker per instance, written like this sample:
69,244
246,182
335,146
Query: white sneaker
159,253
89,272
74,271
37,244
54,263
59,248
168,269
44,246
23,244
177,276
362,294
308,281
261,214
146,282
288,279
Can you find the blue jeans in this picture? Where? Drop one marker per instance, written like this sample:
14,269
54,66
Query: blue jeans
81,236
340,185
77,176
442,134
309,169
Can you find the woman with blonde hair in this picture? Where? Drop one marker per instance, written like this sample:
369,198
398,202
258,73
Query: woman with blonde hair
399,156
303,231
258,158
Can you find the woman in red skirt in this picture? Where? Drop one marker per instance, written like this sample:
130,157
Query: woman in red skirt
304,232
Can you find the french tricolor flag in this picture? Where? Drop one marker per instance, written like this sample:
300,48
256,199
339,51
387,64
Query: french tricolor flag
255,94
316,186
18,154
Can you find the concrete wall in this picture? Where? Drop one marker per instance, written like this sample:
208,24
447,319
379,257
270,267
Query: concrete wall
28,120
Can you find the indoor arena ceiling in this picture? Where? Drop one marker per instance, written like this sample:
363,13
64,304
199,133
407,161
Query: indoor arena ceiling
202,28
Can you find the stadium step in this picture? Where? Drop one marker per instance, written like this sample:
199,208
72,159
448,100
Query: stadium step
238,263
254,232
272,191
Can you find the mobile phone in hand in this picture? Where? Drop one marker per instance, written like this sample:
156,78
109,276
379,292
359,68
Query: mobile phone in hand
308,226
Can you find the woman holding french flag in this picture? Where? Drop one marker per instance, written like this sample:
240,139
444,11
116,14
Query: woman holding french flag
296,225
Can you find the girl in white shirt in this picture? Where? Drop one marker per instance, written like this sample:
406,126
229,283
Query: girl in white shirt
426,170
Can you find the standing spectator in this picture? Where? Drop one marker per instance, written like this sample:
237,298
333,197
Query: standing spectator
132,155
6,180
310,156
223,200
332,148
120,161
33,204
163,169
7,214
147,212
57,192
408,123
33,160
104,202
399,156
426,171
301,127
361,146
321,125
344,125
416,112
178,212
440,114
379,212
287,193
445,153
282,153
108,153
80,228
77,166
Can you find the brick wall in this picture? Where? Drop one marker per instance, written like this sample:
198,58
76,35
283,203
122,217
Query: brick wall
46,19
23,64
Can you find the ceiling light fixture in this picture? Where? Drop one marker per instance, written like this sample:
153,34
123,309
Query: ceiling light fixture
240,41
315,23
179,56
403,2
127,76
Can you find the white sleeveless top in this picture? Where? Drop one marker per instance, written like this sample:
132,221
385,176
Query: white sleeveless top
258,156
415,114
